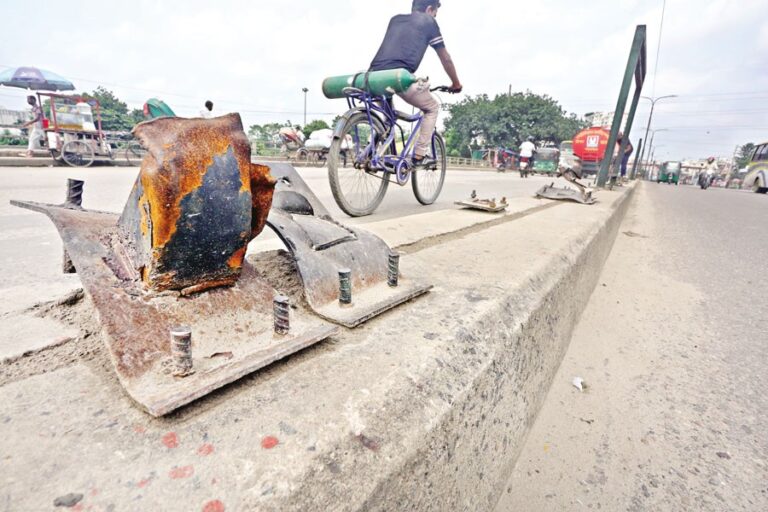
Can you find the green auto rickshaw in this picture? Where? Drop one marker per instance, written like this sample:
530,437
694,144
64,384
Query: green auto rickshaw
546,160
669,173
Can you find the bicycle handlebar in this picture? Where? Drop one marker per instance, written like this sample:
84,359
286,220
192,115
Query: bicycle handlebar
445,88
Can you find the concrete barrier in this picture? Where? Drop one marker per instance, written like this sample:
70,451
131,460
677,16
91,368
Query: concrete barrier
425,408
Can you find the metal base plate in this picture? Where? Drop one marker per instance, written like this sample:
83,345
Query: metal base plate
483,205
232,327
322,246
565,194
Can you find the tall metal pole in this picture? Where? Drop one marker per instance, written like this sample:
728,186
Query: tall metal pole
305,105
650,116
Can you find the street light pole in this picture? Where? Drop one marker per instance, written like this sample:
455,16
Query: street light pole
305,90
650,118
650,145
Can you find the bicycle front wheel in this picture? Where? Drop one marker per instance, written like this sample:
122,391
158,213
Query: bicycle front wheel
357,191
428,183
135,153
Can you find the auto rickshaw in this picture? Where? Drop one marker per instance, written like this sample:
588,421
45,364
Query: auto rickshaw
669,173
546,160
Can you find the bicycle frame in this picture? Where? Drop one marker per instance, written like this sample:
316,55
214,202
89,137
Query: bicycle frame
358,100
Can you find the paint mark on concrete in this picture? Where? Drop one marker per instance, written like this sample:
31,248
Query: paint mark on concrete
213,506
143,483
182,472
171,440
139,429
269,442
205,449
368,442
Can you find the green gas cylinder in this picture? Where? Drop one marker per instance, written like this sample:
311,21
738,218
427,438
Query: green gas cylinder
379,83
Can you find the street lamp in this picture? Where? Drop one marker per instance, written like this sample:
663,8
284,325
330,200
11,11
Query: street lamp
305,90
650,144
650,118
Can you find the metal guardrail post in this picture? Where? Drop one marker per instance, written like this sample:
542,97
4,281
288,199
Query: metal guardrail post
636,68
640,147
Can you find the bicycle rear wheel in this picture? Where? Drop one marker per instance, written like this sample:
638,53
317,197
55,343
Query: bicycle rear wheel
428,183
358,192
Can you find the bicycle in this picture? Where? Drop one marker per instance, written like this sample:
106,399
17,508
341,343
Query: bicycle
364,158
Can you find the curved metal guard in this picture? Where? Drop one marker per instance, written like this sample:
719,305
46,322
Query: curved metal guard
322,246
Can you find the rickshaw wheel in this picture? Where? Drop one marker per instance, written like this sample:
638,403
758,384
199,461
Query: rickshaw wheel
77,153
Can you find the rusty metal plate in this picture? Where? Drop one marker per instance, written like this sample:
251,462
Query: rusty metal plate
232,327
197,203
322,246
565,194
485,205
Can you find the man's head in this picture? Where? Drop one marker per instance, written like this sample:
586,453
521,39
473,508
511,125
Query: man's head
530,138
31,100
209,105
428,6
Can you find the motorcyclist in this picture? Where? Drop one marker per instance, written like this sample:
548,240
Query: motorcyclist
405,43
528,149
710,171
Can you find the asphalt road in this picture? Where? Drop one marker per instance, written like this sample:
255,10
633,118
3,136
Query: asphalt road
30,247
673,349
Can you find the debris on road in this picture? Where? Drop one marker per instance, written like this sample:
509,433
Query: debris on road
486,205
579,383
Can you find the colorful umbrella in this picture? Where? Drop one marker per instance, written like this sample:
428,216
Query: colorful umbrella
35,79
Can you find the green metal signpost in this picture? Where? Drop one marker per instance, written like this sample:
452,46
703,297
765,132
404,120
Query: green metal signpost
636,68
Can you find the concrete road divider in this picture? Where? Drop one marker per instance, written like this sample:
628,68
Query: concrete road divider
424,408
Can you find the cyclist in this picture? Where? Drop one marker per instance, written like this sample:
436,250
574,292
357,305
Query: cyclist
404,46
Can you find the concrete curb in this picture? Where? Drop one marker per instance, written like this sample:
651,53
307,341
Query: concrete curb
513,348
424,408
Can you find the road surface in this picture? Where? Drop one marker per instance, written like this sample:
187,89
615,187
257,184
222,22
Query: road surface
673,348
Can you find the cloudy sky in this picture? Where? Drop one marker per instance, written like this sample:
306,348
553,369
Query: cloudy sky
254,57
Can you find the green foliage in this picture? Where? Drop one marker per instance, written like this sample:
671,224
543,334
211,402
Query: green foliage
744,154
317,124
114,113
264,133
507,120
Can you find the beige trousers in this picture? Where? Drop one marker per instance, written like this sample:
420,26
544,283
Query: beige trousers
419,96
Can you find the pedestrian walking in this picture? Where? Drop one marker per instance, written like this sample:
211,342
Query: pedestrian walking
35,127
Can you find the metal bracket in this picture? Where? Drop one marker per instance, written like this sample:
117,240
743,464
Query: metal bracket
486,205
233,329
565,194
322,248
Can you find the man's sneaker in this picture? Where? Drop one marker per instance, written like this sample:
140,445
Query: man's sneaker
424,163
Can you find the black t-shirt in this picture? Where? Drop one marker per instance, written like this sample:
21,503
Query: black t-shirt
406,42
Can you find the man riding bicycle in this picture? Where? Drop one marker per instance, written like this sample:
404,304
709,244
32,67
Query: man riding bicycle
404,46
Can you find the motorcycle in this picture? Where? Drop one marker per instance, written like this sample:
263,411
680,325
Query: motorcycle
525,162
505,160
704,181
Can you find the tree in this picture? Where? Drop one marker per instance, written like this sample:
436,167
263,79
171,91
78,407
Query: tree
114,113
317,124
744,154
506,121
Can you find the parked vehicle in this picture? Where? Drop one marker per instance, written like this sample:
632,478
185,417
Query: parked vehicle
669,173
757,170
546,161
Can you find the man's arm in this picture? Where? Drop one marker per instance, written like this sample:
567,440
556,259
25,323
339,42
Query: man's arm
450,69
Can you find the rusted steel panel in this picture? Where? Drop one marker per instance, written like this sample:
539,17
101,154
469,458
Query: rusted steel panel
322,246
197,203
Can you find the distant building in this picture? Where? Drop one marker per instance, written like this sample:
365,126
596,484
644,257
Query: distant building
604,119
12,117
